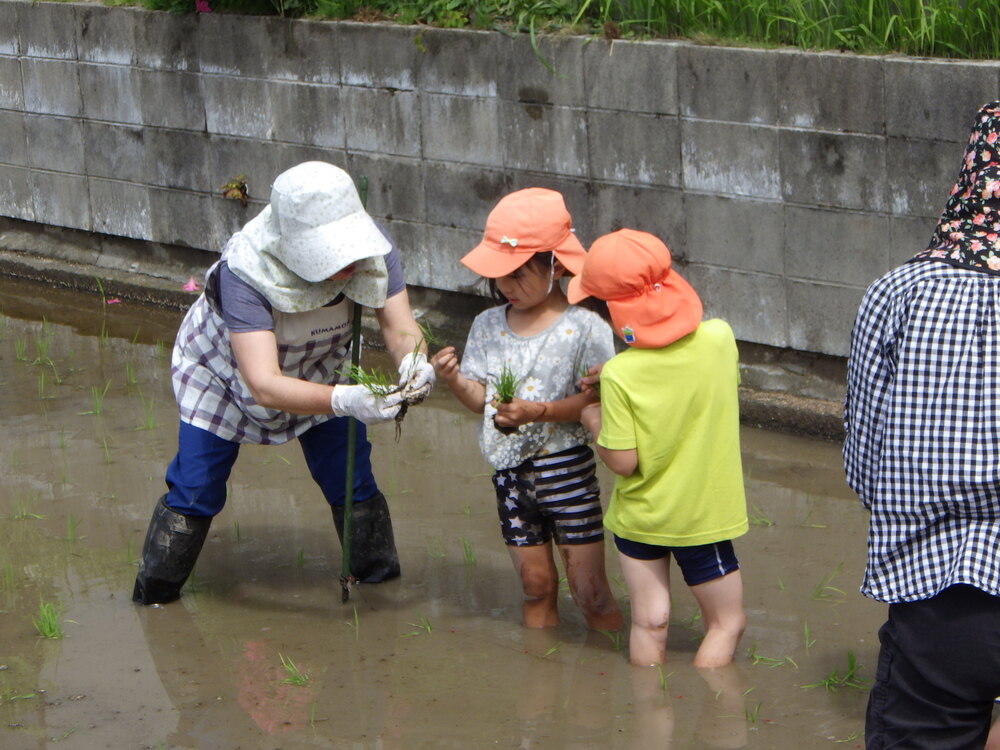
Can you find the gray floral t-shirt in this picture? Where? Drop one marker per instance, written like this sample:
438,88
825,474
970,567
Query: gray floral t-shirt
547,366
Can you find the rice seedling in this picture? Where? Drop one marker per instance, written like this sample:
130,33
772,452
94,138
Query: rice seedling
663,677
616,637
42,349
160,349
758,518
355,623
71,523
9,695
769,661
97,398
432,339
46,622
236,528
3,325
825,592
435,547
422,627
100,290
505,387
41,384
103,334
130,557
470,556
752,714
852,737
135,337
130,374
834,681
300,558
552,650
809,642
24,507
293,675
62,438
781,585
379,383
148,413
7,577
20,347
107,452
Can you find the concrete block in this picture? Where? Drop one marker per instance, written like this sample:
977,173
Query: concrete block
11,90
319,45
458,62
15,193
736,233
166,41
13,140
752,303
461,129
395,186
835,246
231,157
111,93
828,169
460,197
171,99
288,155
382,121
936,99
107,35
120,208
308,113
409,238
544,138
55,143
236,45
820,316
180,217
176,159
47,30
237,106
51,87
114,152
659,211
631,76
528,77
227,217
920,175
850,100
62,200
908,236
10,30
727,84
380,55
634,148
730,159
440,268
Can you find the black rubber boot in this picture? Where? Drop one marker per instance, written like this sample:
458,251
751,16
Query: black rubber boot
373,547
170,551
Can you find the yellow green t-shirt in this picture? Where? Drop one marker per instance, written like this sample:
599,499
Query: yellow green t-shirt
678,407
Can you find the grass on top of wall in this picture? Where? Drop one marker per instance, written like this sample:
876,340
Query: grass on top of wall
966,29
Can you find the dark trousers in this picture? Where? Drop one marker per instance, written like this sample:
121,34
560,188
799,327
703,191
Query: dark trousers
196,478
938,673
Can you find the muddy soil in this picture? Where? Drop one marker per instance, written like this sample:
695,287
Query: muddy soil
436,659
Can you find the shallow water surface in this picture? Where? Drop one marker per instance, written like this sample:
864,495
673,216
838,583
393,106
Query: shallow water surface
436,659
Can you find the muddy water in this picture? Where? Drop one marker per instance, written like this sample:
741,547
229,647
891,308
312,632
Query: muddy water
436,659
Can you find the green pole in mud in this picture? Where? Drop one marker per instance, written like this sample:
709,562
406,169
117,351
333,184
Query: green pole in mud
346,579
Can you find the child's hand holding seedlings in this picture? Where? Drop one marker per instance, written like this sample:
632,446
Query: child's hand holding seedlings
449,368
591,381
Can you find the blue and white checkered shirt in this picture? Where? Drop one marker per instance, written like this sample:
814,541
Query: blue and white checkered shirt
923,430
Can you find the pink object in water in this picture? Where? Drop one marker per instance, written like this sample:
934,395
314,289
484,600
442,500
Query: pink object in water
191,285
202,6
113,301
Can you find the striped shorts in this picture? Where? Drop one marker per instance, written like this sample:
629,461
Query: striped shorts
550,497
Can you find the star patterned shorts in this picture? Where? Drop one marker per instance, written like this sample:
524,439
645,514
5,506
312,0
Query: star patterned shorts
550,497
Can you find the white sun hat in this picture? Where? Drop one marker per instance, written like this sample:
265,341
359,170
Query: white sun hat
314,227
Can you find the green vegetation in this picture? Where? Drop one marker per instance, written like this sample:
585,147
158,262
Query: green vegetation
47,620
835,680
294,676
935,28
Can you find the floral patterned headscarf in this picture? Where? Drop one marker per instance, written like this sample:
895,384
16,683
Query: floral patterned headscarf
968,234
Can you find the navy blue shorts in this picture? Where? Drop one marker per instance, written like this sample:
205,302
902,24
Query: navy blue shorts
699,564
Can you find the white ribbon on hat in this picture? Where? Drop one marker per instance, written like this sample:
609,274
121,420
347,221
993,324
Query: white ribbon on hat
505,240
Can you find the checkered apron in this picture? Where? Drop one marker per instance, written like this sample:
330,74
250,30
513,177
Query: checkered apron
210,392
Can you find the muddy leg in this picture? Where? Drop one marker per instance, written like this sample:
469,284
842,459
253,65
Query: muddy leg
588,583
540,583
721,603
648,584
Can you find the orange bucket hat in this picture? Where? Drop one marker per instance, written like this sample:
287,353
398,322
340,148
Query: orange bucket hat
650,304
525,222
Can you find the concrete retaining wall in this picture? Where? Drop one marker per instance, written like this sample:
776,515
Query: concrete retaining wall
784,182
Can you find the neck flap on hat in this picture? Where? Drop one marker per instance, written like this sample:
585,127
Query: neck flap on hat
968,234
249,256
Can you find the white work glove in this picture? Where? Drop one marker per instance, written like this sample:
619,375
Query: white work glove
416,377
358,402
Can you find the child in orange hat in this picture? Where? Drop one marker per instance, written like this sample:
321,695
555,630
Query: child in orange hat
668,426
545,479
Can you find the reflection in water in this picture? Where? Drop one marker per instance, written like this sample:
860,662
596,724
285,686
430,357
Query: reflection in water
436,659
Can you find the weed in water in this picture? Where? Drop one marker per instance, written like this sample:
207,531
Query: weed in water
293,675
758,518
47,620
421,627
834,681
470,556
825,592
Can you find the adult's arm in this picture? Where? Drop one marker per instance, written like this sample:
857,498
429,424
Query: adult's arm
400,331
256,354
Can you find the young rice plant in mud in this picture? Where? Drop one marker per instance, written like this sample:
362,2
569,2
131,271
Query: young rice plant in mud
379,383
294,676
835,680
505,385
46,622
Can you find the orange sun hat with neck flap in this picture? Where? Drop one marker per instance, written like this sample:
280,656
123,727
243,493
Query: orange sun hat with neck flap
651,306
525,222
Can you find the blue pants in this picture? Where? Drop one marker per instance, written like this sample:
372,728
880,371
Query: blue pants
196,478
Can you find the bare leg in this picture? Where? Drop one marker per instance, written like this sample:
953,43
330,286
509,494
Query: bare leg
540,583
721,603
588,583
648,584
993,741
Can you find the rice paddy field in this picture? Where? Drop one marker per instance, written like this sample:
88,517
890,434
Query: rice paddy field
261,653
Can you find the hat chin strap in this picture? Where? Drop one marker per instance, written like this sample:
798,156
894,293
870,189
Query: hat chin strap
552,273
